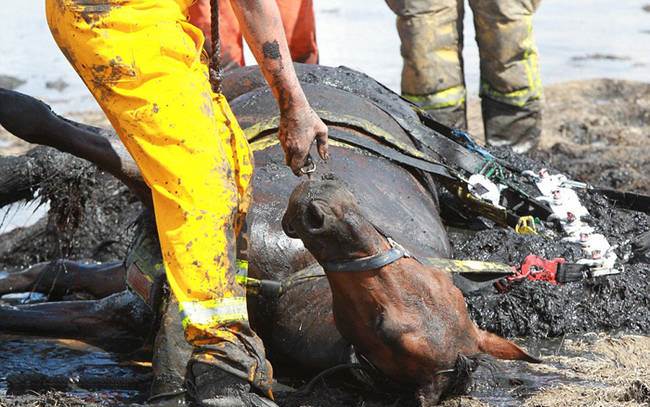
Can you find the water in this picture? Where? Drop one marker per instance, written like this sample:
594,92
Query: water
55,357
365,38
361,34
29,53
22,214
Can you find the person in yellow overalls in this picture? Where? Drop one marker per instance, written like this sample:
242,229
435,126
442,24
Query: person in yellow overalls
143,63
431,32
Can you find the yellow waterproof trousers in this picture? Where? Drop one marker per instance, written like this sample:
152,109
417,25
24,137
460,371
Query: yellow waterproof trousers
143,63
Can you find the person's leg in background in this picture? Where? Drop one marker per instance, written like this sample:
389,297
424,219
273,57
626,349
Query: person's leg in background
144,67
300,27
511,87
297,19
432,76
232,46
199,15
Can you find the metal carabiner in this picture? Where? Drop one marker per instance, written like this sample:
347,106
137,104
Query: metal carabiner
309,167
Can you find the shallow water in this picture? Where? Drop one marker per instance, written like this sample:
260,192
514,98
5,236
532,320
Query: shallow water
21,214
613,36
67,358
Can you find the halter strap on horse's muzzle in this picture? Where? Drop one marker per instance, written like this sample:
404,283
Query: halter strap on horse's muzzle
375,261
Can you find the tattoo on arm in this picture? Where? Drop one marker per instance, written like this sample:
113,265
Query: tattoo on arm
273,63
271,50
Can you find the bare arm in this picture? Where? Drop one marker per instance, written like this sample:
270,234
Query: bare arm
299,125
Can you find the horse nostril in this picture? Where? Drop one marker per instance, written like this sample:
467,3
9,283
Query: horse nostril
314,218
288,228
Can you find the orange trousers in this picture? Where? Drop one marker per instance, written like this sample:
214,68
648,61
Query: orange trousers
297,18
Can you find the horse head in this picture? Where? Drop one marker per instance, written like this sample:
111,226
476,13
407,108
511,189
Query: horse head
405,318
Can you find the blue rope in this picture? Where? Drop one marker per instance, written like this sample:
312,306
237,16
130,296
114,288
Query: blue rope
468,142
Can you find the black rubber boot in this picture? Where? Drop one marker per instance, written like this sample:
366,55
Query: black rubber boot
211,386
455,116
452,116
507,125
171,353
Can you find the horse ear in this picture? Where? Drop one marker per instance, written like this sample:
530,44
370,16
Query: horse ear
502,348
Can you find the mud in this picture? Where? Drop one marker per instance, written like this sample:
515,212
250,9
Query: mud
585,370
10,82
595,131
58,84
596,57
98,224
599,131
89,217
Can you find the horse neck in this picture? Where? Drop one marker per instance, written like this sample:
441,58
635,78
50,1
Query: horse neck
369,286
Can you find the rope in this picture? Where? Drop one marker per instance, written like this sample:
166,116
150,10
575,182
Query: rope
216,73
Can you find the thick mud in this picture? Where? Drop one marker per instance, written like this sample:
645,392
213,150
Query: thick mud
540,310
595,131
599,131
90,214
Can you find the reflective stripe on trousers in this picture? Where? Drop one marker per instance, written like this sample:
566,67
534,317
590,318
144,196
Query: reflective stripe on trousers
445,98
213,312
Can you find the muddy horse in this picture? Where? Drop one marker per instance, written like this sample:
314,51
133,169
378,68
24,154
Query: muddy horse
416,332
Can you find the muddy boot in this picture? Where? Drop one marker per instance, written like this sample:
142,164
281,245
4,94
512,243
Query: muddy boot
507,125
211,386
171,353
453,116
227,372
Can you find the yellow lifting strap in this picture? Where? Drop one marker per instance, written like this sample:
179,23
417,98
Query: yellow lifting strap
468,266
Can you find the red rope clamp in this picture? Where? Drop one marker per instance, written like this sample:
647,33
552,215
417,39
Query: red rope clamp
533,268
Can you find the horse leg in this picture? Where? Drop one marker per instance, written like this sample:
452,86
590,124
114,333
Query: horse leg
33,121
111,323
58,278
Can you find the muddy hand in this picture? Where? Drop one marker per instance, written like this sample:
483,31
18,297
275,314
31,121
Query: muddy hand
24,116
299,127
